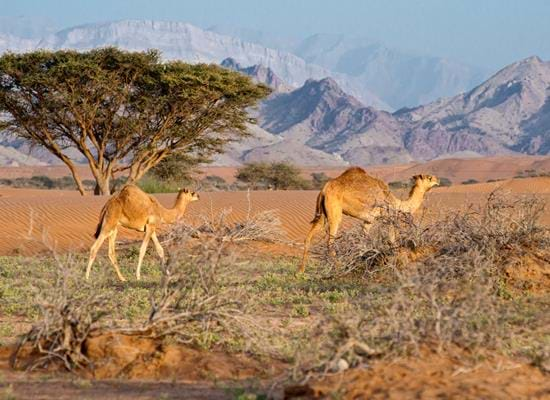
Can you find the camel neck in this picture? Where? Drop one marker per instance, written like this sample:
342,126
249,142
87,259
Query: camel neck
171,215
416,195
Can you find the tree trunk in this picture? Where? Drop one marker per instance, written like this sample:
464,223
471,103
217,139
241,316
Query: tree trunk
136,174
102,186
75,175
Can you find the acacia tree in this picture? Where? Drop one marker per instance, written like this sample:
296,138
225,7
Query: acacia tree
122,111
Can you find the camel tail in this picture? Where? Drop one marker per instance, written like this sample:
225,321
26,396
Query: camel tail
100,223
320,211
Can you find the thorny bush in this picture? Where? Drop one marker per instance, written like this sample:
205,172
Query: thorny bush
450,292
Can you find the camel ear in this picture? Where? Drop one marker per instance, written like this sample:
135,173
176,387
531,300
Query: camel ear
415,177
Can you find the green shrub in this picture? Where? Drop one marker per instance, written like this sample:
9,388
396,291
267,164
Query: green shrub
276,175
318,180
151,184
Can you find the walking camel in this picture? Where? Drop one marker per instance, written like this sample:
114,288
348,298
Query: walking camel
134,209
359,195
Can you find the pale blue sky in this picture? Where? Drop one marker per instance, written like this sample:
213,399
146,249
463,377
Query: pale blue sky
489,33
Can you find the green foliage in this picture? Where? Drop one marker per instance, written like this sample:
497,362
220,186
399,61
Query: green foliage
318,180
276,175
176,167
151,184
45,182
214,182
445,182
68,100
470,182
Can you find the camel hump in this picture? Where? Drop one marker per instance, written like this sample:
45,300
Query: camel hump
354,171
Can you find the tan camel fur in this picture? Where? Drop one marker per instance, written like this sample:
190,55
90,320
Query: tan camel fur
361,196
134,209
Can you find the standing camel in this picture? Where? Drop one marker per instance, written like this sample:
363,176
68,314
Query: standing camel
359,195
134,209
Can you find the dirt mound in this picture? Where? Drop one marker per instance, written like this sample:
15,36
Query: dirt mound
135,357
430,377
529,273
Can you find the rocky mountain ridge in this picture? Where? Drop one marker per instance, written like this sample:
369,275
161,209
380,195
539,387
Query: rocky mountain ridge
313,119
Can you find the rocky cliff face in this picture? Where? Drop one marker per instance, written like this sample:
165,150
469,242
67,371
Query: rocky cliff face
322,116
509,112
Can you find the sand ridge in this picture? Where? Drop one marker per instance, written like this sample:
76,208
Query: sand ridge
35,220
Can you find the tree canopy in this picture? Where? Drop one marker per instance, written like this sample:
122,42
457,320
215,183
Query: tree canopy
123,112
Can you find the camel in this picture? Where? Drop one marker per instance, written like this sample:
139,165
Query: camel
356,194
134,209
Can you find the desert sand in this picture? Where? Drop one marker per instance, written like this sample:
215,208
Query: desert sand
35,221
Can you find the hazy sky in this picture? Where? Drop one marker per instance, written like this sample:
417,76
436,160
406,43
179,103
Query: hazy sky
489,33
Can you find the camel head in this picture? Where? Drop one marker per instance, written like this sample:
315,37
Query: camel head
188,195
425,182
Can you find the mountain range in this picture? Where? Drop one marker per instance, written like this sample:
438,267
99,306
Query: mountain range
335,97
507,114
378,76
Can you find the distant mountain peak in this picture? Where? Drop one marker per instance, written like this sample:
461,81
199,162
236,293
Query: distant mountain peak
259,73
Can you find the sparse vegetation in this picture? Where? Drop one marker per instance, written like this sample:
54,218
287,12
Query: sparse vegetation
277,176
531,173
45,182
400,184
445,283
450,283
318,180
214,182
470,181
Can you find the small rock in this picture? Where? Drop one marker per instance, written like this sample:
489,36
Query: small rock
342,365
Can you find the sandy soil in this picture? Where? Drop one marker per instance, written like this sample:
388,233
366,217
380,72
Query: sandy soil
432,376
131,367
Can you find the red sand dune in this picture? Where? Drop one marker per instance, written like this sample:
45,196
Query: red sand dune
64,220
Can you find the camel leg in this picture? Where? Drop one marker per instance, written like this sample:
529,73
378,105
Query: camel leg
93,252
148,232
334,217
314,228
112,254
160,250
